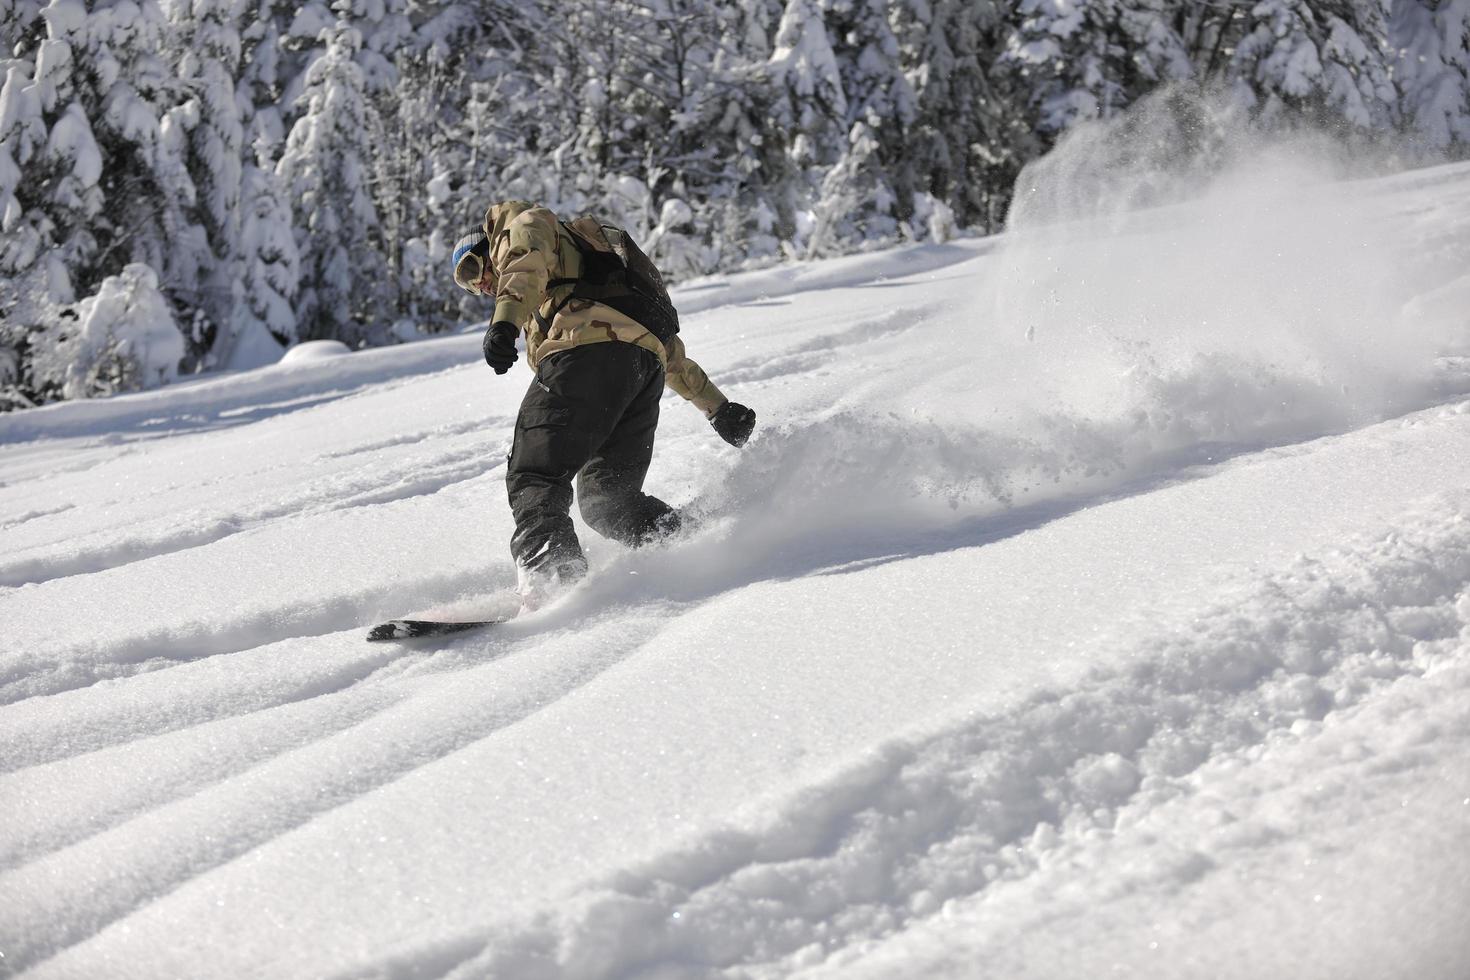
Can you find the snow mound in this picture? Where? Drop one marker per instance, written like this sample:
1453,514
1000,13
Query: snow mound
314,350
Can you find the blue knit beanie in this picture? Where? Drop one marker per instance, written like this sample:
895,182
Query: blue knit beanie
470,256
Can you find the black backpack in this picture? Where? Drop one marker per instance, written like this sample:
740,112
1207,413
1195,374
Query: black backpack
616,273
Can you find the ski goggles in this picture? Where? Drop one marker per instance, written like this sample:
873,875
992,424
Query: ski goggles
471,255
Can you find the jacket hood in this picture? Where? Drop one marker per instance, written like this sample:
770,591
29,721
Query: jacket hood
501,214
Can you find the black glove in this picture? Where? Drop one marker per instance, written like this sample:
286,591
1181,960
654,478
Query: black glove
500,345
733,422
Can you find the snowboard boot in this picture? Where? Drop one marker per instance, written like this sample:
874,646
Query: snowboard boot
539,586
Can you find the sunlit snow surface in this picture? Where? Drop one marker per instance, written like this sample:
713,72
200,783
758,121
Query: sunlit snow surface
1089,601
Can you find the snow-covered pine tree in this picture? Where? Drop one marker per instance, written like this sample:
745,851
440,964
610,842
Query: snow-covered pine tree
282,40
927,34
107,189
858,202
412,176
854,204
23,135
1322,60
407,86
627,137
747,215
990,134
1090,59
518,98
26,303
270,268
1203,28
265,70
685,156
807,116
303,24
267,265
325,170
1431,41
449,143
207,46
804,67
386,30
469,104
688,110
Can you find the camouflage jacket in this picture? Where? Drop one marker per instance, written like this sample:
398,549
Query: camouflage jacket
528,249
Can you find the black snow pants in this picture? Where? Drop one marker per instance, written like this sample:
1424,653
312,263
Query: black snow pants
590,414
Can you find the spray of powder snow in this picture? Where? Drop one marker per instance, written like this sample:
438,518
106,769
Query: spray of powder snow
1179,267
1173,288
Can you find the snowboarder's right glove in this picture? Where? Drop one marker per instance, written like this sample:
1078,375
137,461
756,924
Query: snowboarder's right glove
500,345
734,423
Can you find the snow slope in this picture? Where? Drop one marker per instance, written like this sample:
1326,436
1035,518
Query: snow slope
1092,599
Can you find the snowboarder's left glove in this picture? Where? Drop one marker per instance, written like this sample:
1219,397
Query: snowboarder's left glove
500,345
734,423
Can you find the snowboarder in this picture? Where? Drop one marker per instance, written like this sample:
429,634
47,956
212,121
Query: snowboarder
602,339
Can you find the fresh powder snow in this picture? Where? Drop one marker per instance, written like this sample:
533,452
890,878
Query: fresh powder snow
1090,600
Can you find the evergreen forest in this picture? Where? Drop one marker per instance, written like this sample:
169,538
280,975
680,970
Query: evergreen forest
186,185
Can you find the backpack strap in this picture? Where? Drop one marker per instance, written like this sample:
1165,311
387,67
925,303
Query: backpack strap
583,237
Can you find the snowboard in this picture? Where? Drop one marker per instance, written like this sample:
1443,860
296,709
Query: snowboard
519,605
413,629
